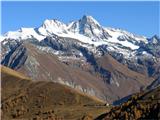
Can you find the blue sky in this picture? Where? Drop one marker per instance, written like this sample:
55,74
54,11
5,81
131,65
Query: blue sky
137,17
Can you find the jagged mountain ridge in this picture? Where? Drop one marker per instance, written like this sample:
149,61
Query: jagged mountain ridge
86,30
83,45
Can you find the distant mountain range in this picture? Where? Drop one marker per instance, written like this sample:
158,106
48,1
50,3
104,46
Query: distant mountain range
104,62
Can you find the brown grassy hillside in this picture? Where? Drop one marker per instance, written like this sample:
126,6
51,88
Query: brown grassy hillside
25,99
141,106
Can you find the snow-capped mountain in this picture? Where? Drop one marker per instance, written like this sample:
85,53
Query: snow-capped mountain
23,34
89,27
98,54
86,30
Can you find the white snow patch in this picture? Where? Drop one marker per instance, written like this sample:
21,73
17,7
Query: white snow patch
95,21
114,39
24,33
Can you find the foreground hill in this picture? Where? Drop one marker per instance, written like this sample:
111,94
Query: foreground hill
23,98
141,106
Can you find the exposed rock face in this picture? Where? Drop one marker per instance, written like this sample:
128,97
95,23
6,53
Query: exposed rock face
153,46
154,84
16,57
